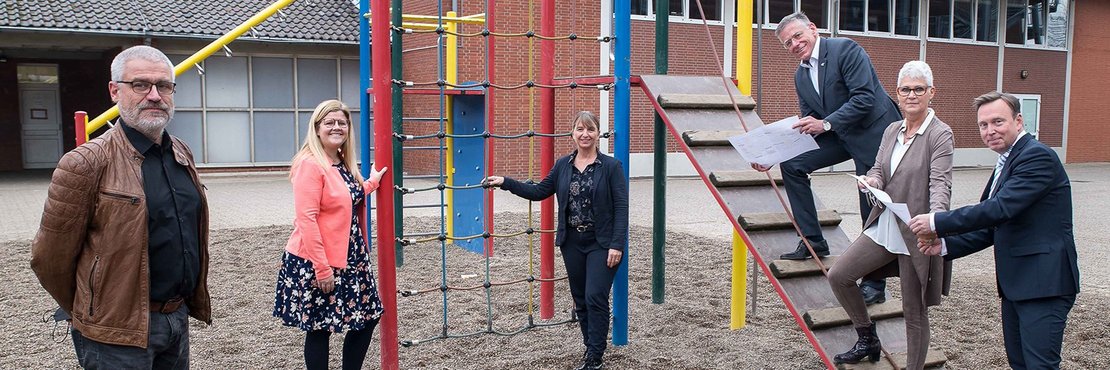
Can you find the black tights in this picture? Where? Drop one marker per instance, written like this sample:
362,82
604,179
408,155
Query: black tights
355,345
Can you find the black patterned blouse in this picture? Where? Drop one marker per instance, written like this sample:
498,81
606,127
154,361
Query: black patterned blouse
580,209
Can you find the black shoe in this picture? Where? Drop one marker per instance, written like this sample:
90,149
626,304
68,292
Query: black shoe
871,295
867,346
821,248
591,363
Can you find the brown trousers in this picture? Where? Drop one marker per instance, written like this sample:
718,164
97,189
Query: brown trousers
864,257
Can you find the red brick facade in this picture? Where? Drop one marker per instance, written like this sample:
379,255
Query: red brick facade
962,71
1087,134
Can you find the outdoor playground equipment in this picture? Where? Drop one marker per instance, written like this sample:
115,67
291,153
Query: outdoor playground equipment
700,113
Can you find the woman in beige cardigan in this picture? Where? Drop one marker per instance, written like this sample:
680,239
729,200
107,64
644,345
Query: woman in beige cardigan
914,166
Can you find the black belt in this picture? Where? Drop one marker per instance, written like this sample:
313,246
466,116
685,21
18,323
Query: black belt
169,306
583,228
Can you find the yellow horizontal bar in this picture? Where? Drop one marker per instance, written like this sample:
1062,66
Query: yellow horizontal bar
200,55
479,18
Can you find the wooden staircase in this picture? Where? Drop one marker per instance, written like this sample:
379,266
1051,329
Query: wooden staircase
701,117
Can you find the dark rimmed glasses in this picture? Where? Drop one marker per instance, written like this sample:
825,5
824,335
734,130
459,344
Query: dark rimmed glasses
143,87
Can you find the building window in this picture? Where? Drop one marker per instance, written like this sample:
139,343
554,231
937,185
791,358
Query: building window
816,10
899,17
1030,112
254,110
986,21
975,20
1037,22
685,10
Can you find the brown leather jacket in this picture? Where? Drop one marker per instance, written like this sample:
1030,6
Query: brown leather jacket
90,252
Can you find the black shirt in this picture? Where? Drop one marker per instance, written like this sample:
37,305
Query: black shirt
173,209
580,210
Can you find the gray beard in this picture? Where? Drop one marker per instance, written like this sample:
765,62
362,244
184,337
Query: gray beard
152,128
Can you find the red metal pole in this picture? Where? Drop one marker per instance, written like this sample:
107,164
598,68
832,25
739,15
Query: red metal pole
547,157
491,70
79,120
381,68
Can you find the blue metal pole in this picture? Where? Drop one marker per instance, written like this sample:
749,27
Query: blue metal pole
621,100
364,106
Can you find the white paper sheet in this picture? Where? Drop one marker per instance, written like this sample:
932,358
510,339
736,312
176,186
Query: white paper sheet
899,209
773,144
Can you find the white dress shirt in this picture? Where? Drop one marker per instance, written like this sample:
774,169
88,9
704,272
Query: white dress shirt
885,231
812,65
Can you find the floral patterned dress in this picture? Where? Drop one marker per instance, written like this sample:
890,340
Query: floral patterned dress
351,305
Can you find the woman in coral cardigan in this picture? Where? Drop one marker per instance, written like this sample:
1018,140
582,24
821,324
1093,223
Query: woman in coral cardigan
326,283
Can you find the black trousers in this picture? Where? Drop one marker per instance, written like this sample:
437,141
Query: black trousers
590,282
795,177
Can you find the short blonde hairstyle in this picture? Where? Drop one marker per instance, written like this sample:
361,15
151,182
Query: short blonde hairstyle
314,149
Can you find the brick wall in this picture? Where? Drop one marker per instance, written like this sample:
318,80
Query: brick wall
1087,134
1046,76
961,72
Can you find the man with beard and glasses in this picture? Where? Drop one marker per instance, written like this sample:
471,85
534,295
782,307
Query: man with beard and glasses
123,244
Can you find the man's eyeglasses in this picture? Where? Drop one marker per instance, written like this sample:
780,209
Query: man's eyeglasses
143,87
917,91
331,123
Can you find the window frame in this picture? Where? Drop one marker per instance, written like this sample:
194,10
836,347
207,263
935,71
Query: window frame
974,25
685,17
1027,23
1022,98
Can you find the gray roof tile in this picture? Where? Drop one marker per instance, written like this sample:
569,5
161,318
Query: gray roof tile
305,20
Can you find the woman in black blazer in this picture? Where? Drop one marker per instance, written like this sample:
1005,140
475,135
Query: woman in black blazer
592,194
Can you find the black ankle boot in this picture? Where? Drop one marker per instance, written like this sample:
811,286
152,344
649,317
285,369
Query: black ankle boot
867,346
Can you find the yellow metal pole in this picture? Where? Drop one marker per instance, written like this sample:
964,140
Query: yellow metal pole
739,300
452,67
738,305
200,55
744,46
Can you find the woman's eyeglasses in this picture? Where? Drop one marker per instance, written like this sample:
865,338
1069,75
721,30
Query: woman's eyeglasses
917,91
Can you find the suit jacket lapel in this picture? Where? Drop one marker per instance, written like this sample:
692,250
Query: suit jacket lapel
806,90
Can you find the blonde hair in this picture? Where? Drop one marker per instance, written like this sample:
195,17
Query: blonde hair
314,149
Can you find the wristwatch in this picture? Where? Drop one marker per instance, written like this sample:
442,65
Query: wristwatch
826,125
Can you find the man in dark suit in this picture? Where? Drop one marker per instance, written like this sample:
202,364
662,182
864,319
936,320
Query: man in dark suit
843,104
1025,212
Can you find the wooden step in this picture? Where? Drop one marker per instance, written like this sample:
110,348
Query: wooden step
779,220
785,269
704,101
709,138
934,359
836,316
743,178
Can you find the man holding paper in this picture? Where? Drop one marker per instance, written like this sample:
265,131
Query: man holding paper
844,105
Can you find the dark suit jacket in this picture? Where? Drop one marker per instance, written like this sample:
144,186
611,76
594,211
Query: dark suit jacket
1029,222
610,200
851,98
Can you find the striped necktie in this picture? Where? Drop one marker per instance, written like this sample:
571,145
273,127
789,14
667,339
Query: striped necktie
998,172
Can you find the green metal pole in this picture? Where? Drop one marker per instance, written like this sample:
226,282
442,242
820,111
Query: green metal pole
659,221
398,154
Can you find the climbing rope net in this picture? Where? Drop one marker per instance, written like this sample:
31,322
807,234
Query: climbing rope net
444,133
